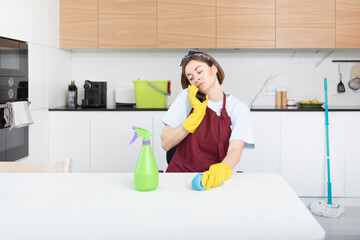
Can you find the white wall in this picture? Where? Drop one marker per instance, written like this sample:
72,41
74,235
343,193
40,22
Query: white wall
37,23
247,71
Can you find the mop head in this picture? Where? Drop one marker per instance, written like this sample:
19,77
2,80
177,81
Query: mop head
321,208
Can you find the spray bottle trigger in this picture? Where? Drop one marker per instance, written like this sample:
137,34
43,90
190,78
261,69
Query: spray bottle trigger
134,138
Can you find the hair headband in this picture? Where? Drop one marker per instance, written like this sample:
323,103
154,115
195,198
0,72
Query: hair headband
191,53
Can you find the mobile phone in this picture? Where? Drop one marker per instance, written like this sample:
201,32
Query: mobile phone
200,96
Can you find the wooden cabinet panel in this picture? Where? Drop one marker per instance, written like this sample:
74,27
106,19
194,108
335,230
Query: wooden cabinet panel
245,24
347,23
127,24
305,23
186,24
78,23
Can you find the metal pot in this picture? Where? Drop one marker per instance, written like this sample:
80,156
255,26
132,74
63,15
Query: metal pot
354,83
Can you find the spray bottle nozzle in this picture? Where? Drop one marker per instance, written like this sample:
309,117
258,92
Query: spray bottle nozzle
142,133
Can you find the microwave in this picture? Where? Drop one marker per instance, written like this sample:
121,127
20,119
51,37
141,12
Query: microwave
14,143
13,58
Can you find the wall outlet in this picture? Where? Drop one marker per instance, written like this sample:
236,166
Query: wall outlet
268,91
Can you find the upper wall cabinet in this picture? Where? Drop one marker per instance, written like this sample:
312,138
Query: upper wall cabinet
209,24
79,24
305,23
186,24
347,23
245,24
127,24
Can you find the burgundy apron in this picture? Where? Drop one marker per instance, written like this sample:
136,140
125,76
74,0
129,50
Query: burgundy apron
206,146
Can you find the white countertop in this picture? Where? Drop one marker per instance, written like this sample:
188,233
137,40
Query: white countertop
106,206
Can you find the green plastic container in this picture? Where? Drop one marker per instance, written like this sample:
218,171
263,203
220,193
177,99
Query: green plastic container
151,93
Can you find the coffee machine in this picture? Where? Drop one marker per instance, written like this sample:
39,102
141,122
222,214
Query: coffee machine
94,94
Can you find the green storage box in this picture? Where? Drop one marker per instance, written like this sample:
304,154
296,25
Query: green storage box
151,93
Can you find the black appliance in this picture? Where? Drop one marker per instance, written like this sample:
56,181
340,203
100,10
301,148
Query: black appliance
95,94
14,143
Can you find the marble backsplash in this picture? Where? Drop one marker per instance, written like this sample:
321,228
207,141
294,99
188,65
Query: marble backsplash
247,71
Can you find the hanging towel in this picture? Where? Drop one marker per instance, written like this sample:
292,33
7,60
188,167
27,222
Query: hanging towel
17,115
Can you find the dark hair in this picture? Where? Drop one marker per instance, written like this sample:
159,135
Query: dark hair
211,61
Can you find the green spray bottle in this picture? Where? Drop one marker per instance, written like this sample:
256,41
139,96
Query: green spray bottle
146,174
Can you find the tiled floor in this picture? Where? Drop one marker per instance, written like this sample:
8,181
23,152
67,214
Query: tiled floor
346,227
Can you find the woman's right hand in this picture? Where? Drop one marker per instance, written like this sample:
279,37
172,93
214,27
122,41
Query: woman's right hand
195,118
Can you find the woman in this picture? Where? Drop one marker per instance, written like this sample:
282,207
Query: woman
211,134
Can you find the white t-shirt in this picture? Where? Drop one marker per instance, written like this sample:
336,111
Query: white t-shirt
239,112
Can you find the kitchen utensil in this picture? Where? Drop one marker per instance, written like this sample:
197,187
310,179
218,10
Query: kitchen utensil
340,86
354,83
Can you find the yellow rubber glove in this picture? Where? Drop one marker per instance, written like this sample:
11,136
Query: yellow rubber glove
195,118
216,175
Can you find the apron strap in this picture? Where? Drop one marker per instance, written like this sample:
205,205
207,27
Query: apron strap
224,102
224,130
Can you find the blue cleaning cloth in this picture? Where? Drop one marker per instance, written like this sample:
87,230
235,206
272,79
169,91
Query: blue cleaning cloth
196,183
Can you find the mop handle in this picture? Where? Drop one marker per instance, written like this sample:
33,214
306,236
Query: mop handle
327,142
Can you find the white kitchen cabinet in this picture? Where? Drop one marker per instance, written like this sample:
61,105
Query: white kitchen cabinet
59,70
38,22
38,61
266,155
303,152
352,156
38,136
290,143
69,136
159,152
14,19
111,133
53,24
98,141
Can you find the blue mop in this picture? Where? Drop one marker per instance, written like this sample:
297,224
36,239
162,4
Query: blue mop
323,208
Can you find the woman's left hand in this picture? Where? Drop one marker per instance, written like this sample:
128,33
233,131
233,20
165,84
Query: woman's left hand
216,175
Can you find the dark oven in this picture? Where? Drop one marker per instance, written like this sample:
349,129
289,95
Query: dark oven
14,143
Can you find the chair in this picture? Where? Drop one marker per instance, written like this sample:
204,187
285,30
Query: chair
64,166
170,154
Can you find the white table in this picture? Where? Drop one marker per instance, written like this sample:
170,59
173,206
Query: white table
106,206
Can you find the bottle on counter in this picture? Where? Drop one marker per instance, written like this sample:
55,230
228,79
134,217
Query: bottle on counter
278,97
146,174
72,95
283,97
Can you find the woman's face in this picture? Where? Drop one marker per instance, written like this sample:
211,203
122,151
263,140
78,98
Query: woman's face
201,75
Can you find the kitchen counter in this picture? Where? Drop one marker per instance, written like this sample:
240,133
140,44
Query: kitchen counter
254,108
306,109
106,206
108,108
